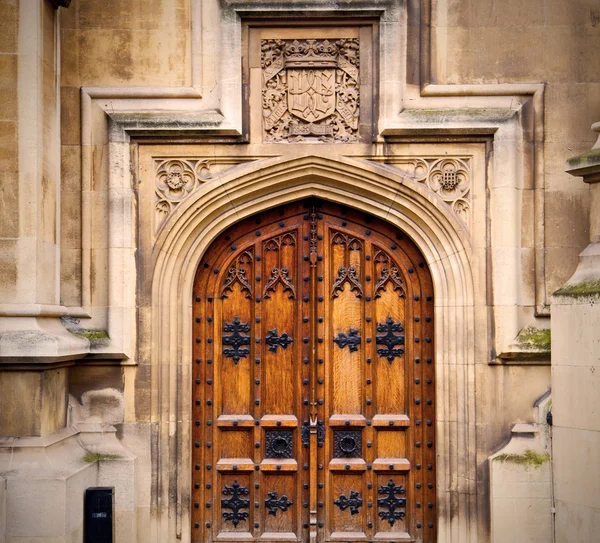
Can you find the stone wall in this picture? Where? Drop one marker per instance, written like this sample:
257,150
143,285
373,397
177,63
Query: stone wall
576,353
93,95
29,161
129,44
9,185
552,42
576,432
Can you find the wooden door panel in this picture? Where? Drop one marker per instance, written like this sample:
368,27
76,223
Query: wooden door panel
388,326
344,321
279,323
248,351
313,382
349,514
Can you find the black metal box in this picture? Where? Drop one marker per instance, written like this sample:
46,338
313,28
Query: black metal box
98,518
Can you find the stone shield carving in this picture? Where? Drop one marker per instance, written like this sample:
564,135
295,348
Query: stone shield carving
310,90
311,93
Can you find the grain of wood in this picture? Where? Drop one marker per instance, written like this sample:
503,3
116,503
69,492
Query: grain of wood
300,276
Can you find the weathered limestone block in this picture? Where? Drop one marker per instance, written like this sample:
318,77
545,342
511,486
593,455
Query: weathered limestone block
520,482
531,345
43,480
576,432
33,403
2,509
576,377
38,339
116,466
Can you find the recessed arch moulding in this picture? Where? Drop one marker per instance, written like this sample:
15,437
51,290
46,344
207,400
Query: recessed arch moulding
169,263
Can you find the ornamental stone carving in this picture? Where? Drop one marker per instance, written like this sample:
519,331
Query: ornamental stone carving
177,178
310,90
448,177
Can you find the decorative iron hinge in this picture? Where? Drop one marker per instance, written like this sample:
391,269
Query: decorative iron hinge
390,339
354,502
273,503
352,340
234,345
396,507
235,503
273,340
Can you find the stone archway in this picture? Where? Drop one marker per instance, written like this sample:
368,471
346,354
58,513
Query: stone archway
372,189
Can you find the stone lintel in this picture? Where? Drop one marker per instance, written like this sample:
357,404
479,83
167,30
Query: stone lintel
461,123
169,123
531,346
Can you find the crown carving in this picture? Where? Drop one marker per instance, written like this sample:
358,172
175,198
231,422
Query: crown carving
310,53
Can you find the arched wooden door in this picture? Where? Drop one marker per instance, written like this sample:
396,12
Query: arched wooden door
313,382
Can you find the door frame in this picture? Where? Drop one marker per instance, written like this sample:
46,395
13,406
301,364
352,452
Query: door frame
445,245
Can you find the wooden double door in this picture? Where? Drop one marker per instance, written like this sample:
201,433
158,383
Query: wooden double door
313,382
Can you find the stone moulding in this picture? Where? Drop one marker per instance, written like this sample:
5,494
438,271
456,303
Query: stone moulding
521,465
371,188
449,178
532,345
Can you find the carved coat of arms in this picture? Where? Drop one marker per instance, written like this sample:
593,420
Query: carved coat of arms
310,90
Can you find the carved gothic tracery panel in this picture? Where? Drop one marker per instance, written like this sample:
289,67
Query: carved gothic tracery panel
238,273
310,90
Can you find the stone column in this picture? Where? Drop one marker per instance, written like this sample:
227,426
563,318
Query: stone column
43,468
34,346
576,377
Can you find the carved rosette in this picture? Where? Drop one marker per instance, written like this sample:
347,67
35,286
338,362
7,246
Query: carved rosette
450,179
176,179
310,90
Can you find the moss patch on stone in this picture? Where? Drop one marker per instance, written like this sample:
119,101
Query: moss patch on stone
590,158
576,290
528,458
97,457
94,334
531,338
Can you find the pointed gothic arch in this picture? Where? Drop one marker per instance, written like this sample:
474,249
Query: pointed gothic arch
374,189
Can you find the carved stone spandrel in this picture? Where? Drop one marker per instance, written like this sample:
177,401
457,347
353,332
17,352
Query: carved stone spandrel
449,178
177,178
